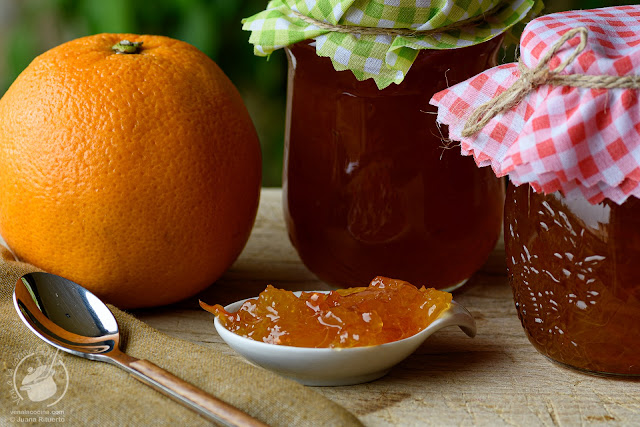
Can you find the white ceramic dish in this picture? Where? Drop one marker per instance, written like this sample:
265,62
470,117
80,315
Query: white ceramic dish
335,366
339,366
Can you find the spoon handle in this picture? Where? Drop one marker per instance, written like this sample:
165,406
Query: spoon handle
196,399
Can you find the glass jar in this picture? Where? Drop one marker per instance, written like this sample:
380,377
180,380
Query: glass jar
369,187
573,268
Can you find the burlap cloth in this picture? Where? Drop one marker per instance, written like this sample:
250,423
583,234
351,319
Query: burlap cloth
101,394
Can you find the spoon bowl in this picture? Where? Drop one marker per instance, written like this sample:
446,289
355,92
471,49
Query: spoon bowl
67,316
339,366
71,318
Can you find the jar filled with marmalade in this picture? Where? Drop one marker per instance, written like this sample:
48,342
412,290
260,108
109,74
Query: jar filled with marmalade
368,186
564,125
573,268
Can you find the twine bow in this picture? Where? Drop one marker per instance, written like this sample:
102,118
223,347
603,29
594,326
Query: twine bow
530,78
543,75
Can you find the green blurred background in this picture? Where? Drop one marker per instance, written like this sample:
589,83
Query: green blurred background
30,27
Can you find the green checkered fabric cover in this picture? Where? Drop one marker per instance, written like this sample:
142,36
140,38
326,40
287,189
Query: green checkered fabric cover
385,58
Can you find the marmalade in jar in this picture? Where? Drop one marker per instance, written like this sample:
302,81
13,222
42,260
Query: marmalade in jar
368,185
387,310
575,273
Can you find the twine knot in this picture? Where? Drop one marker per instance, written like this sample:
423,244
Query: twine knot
403,32
530,79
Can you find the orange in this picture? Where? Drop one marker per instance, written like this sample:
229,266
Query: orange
136,175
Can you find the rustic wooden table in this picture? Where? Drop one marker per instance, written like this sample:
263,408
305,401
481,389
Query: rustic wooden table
497,378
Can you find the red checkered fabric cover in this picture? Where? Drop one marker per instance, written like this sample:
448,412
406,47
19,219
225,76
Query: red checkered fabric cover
561,138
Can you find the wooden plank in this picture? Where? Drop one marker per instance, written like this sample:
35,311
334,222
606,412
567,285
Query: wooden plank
497,378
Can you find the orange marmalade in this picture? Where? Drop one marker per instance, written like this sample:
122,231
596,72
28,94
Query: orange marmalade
367,187
385,311
573,268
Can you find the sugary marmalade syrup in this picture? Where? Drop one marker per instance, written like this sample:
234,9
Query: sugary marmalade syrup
368,186
388,310
575,273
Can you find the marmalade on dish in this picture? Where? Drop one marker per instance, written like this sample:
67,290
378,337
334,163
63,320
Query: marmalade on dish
385,311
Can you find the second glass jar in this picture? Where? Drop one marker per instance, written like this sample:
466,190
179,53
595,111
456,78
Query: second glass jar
573,268
369,188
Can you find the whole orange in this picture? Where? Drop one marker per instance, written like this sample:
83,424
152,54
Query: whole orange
136,175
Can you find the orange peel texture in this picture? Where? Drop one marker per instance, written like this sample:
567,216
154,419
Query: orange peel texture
135,175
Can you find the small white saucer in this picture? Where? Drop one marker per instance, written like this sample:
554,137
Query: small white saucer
339,366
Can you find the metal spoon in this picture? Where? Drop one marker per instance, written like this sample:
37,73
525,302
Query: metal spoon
71,318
